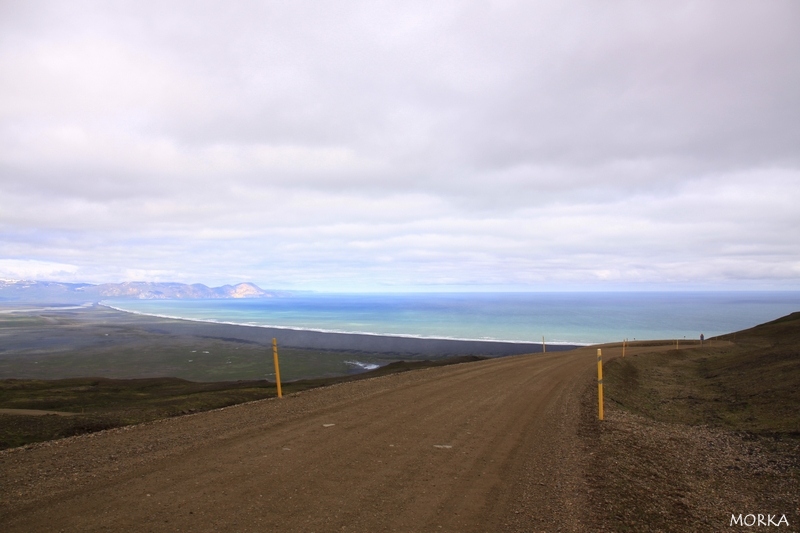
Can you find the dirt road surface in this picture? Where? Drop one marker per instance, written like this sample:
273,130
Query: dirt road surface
486,446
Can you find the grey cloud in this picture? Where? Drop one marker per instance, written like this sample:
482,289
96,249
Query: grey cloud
397,139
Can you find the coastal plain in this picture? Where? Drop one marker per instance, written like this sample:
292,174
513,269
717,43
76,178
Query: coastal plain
97,341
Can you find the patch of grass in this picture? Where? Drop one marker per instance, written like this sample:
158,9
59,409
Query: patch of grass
101,395
751,384
21,320
186,358
702,432
103,403
61,346
19,430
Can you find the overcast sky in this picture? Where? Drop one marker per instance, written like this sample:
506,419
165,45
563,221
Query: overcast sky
373,146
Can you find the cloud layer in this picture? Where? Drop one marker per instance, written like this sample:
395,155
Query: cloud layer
384,146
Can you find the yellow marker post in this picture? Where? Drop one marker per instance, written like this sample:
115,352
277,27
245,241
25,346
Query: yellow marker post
277,367
623,347
676,344
600,383
544,346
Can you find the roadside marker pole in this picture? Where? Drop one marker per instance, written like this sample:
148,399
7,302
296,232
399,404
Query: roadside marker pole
600,384
277,368
676,344
623,347
544,347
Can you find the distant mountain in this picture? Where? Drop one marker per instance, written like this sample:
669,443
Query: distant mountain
176,291
56,292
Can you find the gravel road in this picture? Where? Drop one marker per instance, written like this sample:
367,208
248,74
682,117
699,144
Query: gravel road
486,446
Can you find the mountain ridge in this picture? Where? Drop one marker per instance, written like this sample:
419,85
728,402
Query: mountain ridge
54,291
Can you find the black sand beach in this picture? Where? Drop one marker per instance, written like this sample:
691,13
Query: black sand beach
49,342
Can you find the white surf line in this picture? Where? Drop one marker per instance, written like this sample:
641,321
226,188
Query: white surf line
363,366
344,332
37,309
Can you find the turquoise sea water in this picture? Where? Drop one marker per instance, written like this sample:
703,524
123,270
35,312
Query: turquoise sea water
568,318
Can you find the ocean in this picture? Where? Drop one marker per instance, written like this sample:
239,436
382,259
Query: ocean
561,318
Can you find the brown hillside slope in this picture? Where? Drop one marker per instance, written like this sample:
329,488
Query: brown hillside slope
746,381
698,435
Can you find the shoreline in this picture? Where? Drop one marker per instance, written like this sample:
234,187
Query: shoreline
569,345
98,341
337,340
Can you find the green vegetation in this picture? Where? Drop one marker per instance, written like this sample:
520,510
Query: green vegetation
94,404
702,432
186,358
100,403
105,343
746,381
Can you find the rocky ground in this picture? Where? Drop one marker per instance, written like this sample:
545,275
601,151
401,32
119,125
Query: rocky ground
647,475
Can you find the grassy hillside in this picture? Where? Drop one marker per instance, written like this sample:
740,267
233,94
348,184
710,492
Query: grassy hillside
697,435
746,381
